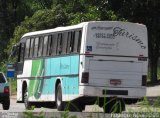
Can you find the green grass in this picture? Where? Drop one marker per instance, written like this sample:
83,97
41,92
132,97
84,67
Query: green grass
13,86
145,106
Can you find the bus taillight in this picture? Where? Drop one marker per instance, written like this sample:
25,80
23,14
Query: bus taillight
85,77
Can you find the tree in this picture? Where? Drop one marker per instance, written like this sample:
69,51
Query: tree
5,31
42,19
12,13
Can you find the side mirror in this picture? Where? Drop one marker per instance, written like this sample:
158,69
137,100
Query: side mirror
14,51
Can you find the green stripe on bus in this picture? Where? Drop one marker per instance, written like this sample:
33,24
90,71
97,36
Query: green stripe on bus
35,86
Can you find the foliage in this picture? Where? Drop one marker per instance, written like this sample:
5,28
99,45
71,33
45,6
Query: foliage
91,15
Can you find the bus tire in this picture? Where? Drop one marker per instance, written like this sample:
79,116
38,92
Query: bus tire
26,102
59,103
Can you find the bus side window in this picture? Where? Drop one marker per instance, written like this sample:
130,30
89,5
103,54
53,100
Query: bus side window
40,46
27,48
45,47
49,45
54,44
31,48
36,46
77,41
64,43
69,42
59,46
72,41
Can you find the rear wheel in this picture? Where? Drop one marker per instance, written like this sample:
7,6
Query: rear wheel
26,102
6,104
59,103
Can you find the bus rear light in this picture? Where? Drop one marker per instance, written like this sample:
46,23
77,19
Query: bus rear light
6,89
144,80
85,77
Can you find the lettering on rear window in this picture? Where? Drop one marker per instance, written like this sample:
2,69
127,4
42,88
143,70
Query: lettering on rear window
113,32
117,31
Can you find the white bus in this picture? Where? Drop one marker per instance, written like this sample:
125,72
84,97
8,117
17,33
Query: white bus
93,62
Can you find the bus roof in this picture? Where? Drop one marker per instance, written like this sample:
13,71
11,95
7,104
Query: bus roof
58,29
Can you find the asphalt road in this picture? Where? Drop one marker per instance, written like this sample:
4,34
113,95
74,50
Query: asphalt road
19,107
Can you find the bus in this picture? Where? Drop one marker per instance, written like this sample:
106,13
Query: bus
101,62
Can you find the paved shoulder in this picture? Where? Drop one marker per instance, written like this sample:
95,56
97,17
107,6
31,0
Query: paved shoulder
153,91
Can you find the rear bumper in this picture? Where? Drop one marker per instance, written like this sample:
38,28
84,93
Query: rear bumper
112,92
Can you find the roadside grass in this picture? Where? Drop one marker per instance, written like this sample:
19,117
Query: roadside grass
13,86
145,109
